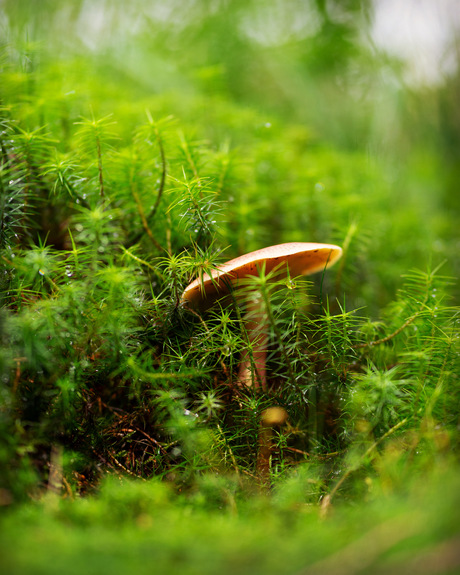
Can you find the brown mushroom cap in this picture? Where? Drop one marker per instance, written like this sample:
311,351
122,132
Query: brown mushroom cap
300,258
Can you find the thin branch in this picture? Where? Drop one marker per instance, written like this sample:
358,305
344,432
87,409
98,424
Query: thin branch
396,332
144,220
188,156
328,498
125,469
163,170
147,220
392,335
99,167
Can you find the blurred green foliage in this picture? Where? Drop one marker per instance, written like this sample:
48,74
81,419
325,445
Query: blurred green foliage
144,526
141,145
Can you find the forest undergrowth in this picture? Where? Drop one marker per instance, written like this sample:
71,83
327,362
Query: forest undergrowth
119,405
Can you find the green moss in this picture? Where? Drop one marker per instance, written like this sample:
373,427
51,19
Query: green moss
140,148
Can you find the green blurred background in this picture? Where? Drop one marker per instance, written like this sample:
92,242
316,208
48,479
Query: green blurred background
347,101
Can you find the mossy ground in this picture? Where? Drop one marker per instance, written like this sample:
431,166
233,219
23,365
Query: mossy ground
141,147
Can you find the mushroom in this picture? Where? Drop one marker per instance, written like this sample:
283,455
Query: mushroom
294,258
270,419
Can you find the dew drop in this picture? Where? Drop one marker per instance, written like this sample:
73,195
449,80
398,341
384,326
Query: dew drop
319,187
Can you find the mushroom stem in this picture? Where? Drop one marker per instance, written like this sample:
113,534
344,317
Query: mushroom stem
271,418
257,330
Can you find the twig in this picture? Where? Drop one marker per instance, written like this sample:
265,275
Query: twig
328,498
68,488
115,460
392,335
99,167
151,439
163,171
232,455
144,221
